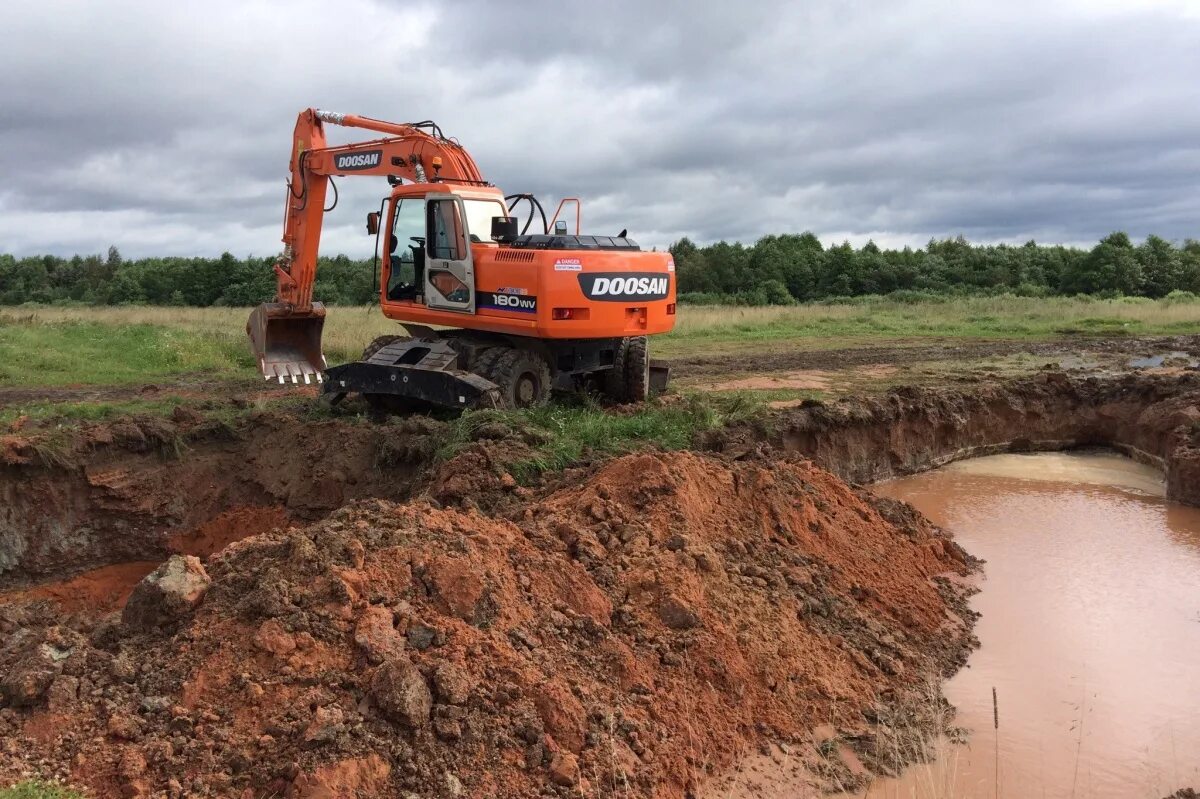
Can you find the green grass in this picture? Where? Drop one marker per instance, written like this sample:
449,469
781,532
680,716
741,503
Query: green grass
559,436
822,326
94,353
38,790
56,423
87,411
122,345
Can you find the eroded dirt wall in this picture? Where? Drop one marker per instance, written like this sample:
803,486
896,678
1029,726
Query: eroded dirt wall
123,491
1151,417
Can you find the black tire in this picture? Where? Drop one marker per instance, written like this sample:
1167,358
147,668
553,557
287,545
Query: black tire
378,344
636,370
614,379
484,360
523,378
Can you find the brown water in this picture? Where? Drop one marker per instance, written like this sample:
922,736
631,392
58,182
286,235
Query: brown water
1090,630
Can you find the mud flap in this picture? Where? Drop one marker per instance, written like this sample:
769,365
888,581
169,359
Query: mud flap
287,344
660,374
444,388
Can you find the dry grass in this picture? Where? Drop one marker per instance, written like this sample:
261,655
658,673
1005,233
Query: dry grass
125,344
986,316
1056,310
347,330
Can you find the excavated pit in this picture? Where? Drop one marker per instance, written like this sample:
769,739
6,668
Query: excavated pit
1153,418
142,489
680,611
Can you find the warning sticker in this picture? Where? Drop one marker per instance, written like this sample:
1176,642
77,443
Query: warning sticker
568,265
670,264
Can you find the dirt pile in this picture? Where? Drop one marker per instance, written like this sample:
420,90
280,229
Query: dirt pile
633,632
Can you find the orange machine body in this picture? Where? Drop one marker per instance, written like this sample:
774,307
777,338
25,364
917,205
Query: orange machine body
545,293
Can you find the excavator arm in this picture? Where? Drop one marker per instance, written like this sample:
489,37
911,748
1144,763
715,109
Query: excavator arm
285,334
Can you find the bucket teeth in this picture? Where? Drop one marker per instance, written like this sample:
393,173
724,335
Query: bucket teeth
287,342
292,372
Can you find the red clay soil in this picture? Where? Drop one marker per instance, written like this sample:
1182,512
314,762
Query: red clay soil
229,526
631,634
101,590
105,589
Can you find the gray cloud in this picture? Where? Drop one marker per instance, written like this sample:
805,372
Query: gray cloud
165,128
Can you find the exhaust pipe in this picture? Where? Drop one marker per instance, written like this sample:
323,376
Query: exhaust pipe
287,343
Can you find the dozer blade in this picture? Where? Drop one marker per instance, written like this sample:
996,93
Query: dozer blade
423,371
287,344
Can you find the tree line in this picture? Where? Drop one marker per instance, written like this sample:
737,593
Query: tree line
774,270
796,268
114,280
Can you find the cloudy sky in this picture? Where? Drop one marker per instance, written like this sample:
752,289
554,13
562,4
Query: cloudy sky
164,127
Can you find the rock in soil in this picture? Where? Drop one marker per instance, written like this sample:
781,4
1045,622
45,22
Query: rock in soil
167,594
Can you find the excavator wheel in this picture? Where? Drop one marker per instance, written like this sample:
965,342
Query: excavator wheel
614,379
629,379
523,377
484,360
378,344
636,371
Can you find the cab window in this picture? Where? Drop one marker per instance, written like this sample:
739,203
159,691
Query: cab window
479,218
447,237
407,256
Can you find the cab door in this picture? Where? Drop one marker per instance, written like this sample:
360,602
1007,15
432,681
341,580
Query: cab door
450,271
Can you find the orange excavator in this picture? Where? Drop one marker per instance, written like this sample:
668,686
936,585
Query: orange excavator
495,316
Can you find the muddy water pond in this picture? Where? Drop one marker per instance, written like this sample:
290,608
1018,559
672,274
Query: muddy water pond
1090,630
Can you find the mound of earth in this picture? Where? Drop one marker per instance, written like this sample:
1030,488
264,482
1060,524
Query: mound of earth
630,634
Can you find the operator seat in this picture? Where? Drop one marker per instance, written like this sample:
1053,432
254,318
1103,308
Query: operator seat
398,288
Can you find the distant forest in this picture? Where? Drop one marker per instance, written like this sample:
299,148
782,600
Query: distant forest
776,270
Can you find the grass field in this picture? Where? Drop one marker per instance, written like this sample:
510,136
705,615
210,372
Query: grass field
48,346
827,326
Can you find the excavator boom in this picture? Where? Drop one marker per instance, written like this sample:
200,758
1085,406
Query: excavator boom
285,335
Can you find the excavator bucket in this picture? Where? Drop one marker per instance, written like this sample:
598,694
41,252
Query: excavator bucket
287,343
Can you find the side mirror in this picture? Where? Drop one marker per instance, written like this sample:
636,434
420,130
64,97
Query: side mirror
372,223
504,229
560,228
